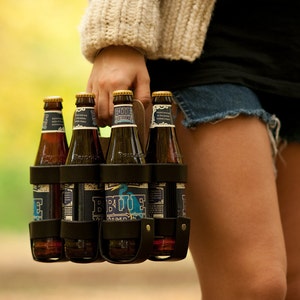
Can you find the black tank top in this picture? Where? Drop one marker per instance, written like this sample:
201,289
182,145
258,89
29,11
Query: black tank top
255,43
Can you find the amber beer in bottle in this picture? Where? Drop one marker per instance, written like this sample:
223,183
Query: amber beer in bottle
84,201
122,202
53,150
166,199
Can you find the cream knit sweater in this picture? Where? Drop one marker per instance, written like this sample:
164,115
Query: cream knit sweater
170,29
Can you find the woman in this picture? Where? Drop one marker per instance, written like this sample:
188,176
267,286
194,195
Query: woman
234,85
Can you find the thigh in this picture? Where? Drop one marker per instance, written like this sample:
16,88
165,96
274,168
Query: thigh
236,236
288,165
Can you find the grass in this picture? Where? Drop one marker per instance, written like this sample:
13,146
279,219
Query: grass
16,198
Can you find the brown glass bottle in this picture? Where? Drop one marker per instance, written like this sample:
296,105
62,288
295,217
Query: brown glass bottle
166,199
53,150
84,201
124,148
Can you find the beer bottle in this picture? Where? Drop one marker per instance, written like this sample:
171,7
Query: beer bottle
53,150
84,201
166,199
122,202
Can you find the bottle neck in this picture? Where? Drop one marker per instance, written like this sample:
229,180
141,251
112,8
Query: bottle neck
162,146
123,116
162,116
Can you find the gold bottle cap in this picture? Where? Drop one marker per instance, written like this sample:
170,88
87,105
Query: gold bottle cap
162,94
122,92
53,99
85,95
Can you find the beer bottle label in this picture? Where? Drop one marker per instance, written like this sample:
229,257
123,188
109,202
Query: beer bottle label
53,122
85,118
162,116
126,201
123,116
67,212
157,196
157,199
41,202
83,202
46,199
181,199
93,200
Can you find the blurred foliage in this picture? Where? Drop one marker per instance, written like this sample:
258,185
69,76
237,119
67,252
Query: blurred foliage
40,56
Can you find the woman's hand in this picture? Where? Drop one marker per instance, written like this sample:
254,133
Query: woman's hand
118,68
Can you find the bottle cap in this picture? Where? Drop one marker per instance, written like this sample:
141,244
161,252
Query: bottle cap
85,95
122,92
53,99
162,93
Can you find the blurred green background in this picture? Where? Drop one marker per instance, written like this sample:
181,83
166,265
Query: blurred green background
40,56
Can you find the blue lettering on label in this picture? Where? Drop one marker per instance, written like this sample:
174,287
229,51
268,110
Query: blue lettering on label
125,202
37,209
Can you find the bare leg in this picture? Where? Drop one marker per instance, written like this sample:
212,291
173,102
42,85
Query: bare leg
289,199
236,235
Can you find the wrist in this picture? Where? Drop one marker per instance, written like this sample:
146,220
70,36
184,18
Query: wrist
136,49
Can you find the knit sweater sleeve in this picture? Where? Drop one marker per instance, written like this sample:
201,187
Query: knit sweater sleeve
183,28
169,29
119,22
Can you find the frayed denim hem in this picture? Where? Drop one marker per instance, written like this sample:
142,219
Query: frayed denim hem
216,102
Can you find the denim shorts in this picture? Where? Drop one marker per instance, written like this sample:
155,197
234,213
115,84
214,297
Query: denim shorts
215,102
